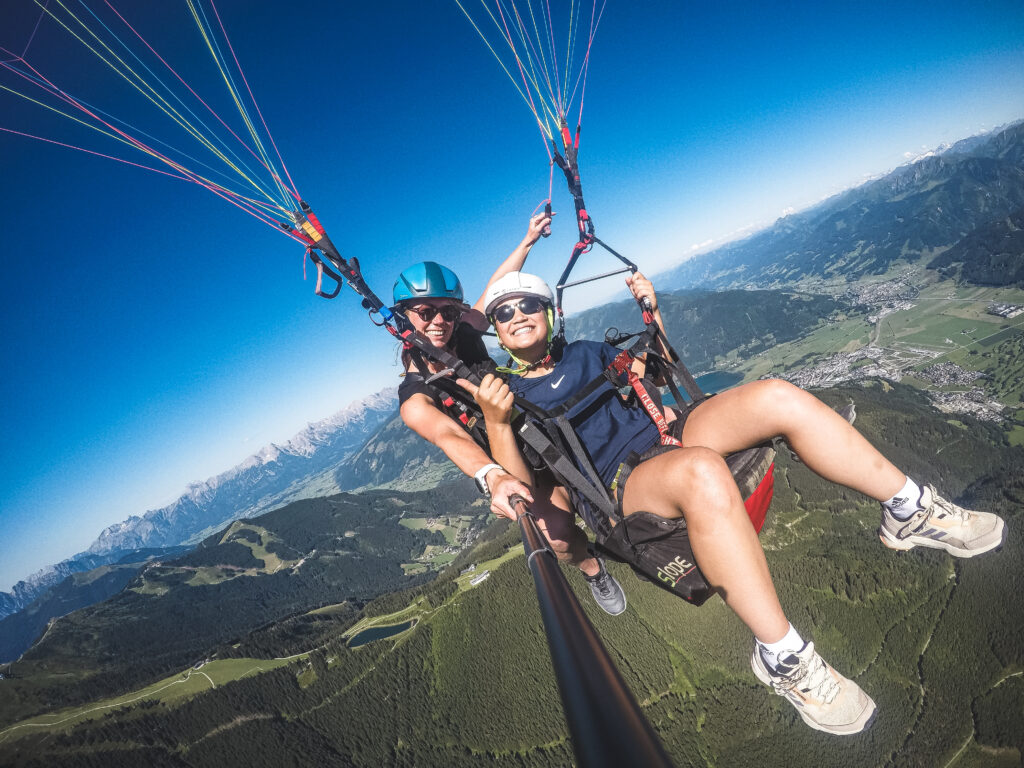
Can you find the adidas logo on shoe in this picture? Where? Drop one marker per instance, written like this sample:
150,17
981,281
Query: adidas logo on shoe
941,524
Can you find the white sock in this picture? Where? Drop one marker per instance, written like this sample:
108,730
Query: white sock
905,502
791,642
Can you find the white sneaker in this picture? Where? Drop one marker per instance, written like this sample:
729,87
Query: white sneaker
943,525
825,699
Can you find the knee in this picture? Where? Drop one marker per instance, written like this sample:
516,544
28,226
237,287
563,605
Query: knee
700,468
777,394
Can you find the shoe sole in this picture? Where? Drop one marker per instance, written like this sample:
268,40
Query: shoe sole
902,545
862,723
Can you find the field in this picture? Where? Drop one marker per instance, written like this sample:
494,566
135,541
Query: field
943,324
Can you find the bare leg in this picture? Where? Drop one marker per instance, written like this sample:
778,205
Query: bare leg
752,413
695,483
569,543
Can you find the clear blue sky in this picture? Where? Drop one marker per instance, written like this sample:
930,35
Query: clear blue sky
154,336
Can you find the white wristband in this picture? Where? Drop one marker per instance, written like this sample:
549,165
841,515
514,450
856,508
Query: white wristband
481,477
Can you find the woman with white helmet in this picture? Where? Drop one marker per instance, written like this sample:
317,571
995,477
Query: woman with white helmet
692,484
431,297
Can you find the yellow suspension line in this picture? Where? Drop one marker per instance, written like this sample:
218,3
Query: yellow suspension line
168,110
232,90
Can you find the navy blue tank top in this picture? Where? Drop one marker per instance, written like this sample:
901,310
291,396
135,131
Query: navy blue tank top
607,428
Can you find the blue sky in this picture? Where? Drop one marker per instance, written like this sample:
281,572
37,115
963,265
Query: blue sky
154,336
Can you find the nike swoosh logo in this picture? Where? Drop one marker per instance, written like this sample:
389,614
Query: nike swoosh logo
555,385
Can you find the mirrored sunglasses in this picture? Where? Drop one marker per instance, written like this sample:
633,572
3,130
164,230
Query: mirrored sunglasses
529,305
448,313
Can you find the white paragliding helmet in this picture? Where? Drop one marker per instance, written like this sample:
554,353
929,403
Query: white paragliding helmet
514,285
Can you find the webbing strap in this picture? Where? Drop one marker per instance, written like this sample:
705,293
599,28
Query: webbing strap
564,469
652,410
572,440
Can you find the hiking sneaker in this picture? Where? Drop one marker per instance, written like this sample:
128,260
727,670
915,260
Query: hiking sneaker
825,700
943,525
606,590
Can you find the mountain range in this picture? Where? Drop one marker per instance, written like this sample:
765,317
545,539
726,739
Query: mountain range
915,213
268,478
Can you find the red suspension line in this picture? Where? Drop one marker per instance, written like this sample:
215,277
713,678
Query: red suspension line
526,85
259,159
252,98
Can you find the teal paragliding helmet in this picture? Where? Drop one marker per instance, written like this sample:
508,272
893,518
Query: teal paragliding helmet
427,280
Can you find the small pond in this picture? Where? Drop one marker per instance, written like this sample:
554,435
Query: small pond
378,633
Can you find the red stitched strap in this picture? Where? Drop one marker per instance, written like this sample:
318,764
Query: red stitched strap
652,410
622,362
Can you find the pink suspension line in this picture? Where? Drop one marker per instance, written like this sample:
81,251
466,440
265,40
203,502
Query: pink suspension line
98,154
234,198
538,54
554,59
259,159
294,191
586,56
529,91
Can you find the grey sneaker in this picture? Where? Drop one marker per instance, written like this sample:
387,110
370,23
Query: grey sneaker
825,700
607,591
943,525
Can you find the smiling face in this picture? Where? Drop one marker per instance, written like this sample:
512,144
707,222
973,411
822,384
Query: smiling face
525,333
428,316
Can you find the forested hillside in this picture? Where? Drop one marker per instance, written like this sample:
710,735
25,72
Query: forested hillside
991,255
936,641
18,631
703,324
266,572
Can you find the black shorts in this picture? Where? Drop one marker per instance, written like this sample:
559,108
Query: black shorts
657,548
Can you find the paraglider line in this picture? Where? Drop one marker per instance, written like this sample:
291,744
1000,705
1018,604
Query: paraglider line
295,192
190,90
98,154
206,30
36,28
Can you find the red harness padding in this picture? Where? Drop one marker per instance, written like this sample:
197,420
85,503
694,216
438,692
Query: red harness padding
758,502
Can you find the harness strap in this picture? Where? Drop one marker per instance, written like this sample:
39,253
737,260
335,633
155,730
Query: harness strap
564,469
573,442
652,410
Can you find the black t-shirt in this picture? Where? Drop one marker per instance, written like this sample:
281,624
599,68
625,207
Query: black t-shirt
469,348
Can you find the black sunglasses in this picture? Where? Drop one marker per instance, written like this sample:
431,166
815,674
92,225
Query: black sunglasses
530,305
448,313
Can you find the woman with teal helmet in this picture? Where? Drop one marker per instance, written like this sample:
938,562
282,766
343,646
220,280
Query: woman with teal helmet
430,296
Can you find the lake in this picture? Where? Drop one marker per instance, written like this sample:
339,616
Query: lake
378,633
716,381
